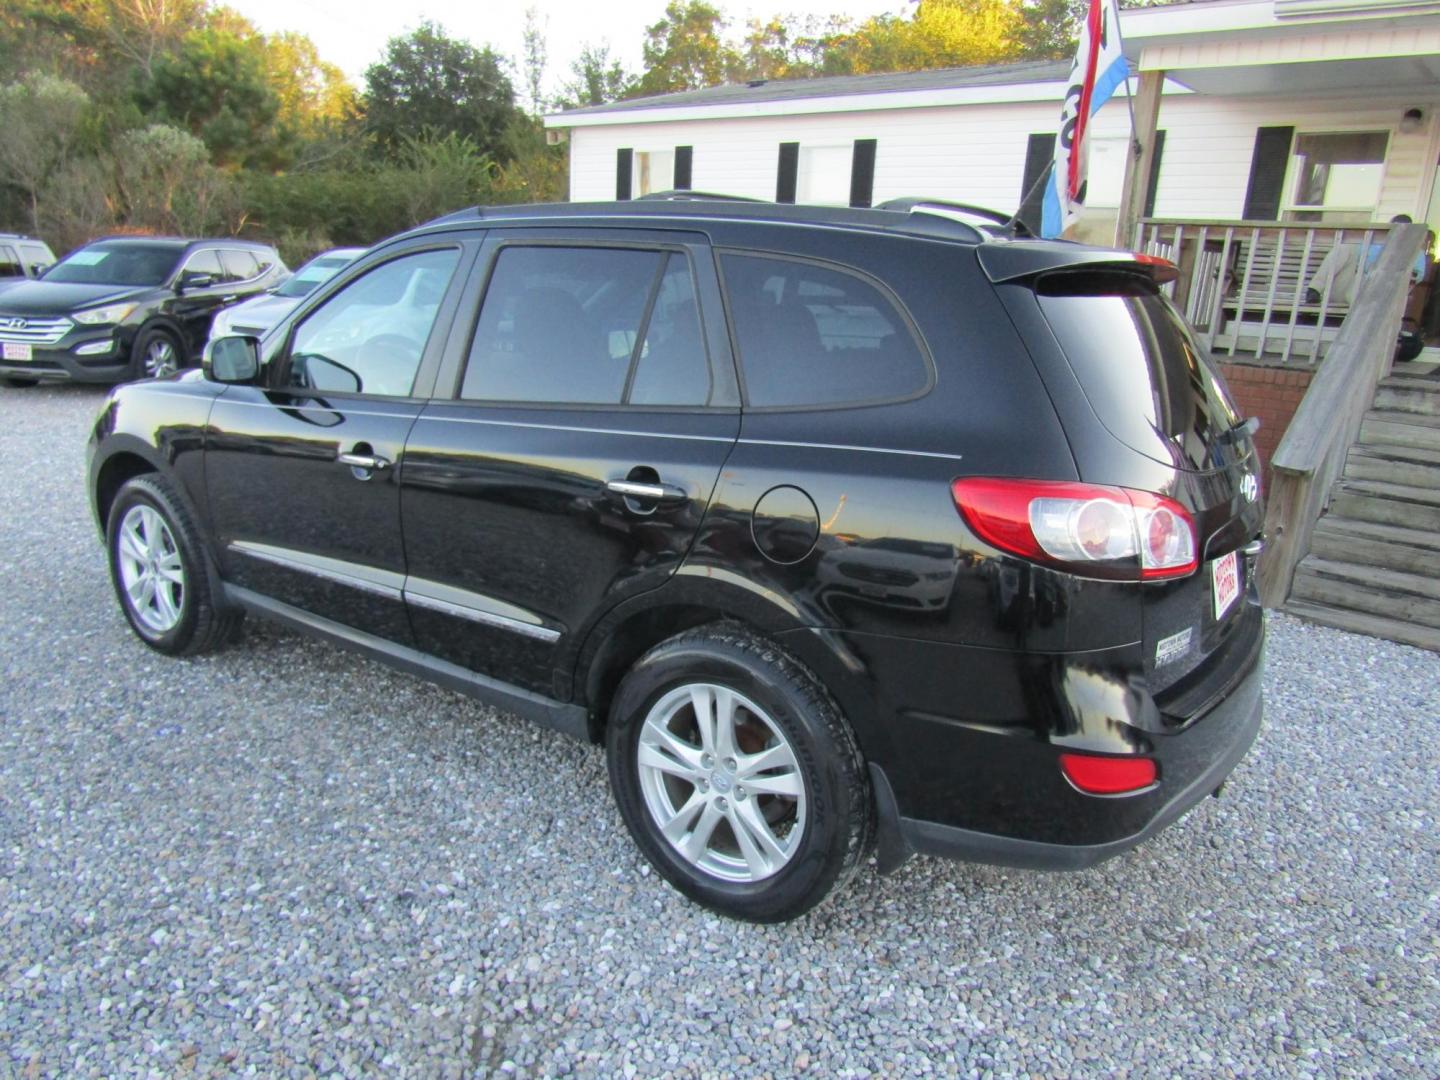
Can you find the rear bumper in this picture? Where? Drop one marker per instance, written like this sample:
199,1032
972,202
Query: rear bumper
1230,728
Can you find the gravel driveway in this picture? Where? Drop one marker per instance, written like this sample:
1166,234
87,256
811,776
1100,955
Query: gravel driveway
288,861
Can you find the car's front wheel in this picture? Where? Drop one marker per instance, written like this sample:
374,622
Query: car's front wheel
157,353
737,776
157,564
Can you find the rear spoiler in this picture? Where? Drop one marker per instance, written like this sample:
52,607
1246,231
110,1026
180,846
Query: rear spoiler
1013,260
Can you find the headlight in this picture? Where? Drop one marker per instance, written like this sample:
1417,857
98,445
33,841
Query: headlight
101,315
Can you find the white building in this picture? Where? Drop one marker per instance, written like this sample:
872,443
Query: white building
1272,110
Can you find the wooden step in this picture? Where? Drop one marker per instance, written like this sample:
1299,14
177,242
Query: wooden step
1390,547
1379,626
1411,598
1409,395
1389,427
1389,504
1412,466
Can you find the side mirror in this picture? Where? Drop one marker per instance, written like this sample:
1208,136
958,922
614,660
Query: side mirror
234,360
193,279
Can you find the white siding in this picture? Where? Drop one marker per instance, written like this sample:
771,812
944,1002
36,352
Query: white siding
976,153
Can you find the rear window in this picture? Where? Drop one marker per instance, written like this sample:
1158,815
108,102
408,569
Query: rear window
812,335
1144,373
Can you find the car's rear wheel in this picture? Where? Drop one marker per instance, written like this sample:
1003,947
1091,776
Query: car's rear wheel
737,775
160,573
157,353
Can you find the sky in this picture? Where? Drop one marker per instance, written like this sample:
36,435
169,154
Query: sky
352,33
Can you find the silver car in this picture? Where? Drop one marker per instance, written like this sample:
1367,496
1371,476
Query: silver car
258,314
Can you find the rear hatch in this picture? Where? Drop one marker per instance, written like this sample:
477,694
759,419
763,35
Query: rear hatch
1172,429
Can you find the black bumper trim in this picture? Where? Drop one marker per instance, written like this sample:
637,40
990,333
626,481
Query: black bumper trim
903,837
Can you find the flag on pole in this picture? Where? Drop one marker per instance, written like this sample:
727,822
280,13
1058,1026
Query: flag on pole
1100,66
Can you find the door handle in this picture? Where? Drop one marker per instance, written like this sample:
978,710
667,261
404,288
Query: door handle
363,461
634,489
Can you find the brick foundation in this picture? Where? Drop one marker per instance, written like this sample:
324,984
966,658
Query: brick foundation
1271,393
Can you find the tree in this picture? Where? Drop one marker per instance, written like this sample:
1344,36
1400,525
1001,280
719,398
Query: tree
166,182
216,87
313,95
41,119
427,80
536,56
942,33
685,50
1047,29
596,79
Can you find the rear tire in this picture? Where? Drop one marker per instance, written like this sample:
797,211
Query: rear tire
161,572
737,776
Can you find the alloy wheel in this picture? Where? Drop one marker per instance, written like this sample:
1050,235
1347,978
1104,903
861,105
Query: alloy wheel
151,570
161,358
721,782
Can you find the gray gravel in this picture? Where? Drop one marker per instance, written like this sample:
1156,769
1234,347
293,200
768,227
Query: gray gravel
288,861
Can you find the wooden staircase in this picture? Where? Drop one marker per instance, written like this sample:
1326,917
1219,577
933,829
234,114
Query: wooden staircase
1374,560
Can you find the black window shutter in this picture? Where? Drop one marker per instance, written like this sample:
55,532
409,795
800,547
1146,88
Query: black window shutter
684,158
1039,152
1154,174
1267,173
787,172
624,165
862,172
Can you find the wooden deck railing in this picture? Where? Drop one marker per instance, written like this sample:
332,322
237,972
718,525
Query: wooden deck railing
1245,285
1312,454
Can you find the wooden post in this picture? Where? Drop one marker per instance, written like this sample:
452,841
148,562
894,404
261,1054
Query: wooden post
1137,166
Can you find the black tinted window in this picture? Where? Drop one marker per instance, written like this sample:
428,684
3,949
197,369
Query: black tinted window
10,264
240,265
809,335
560,325
673,368
117,262
205,262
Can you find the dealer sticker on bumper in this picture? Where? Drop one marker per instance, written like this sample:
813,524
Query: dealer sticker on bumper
1225,581
12,351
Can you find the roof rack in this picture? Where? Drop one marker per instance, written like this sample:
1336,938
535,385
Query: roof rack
686,194
948,208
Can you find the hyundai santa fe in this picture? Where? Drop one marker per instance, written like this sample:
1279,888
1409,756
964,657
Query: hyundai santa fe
842,530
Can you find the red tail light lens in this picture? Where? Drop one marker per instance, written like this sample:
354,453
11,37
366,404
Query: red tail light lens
1108,532
1108,775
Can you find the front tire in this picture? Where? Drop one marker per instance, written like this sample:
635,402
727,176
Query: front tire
157,353
160,571
737,776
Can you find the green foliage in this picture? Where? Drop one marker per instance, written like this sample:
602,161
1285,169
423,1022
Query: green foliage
1048,28
685,50
41,120
596,78
427,80
166,183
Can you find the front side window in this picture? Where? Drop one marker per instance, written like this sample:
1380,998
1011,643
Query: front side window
204,263
596,326
809,335
1336,176
369,337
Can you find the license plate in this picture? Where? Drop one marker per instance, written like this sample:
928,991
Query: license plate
1225,582
16,352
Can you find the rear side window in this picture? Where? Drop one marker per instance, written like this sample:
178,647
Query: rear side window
10,263
239,265
812,335
596,326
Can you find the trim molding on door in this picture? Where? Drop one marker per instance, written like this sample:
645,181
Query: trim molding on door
461,603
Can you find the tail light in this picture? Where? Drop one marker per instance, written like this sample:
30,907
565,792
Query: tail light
1096,775
1108,532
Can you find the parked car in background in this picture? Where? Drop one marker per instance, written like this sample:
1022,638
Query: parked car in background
835,526
126,307
255,316
23,257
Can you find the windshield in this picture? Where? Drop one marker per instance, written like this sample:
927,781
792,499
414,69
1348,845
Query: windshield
312,274
117,263
1146,376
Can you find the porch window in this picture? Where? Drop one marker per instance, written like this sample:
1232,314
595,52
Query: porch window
1336,176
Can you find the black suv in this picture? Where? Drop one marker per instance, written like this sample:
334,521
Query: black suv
126,307
835,526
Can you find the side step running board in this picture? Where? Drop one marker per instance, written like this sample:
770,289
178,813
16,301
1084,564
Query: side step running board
573,720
